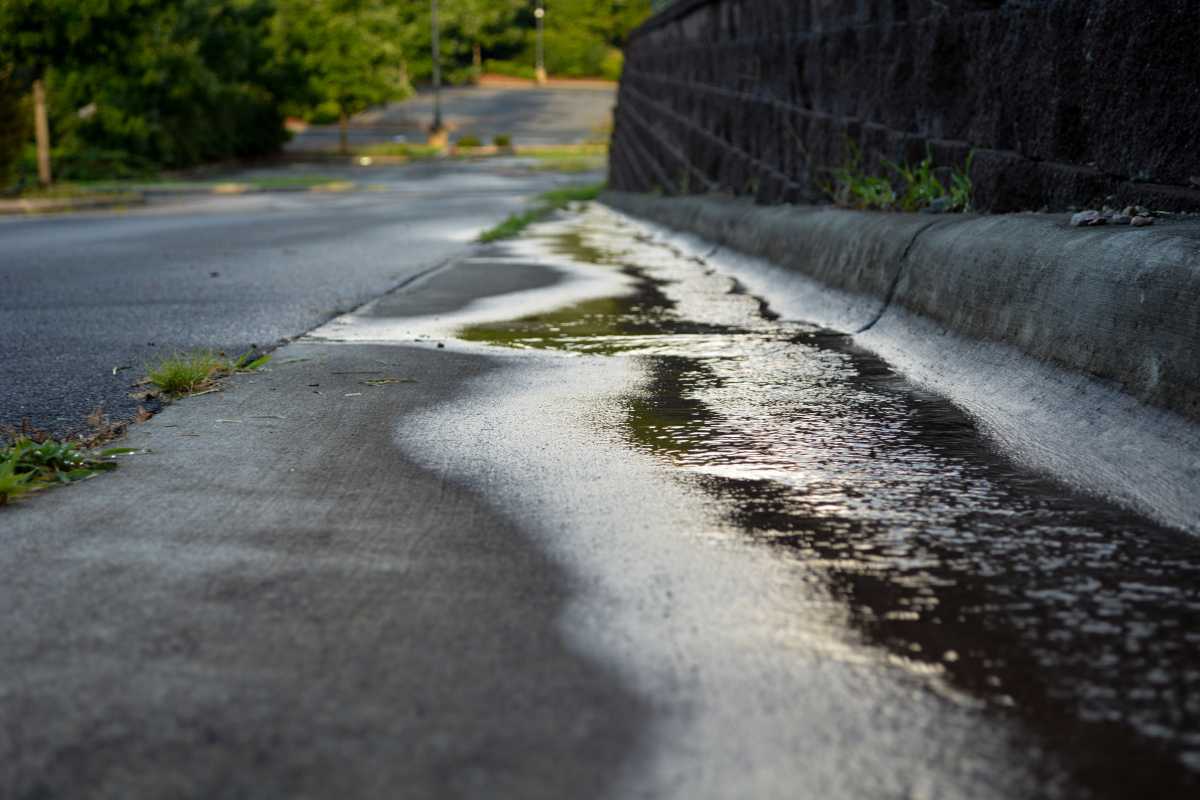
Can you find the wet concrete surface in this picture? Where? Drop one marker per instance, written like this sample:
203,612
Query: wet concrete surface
643,540
272,602
1045,605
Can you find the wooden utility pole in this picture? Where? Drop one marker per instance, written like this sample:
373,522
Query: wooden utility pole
41,127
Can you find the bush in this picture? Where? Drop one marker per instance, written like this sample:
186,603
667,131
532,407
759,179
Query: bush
75,161
502,140
511,69
469,141
613,63
324,114
570,56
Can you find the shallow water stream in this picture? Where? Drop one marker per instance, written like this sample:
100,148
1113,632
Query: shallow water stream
1005,588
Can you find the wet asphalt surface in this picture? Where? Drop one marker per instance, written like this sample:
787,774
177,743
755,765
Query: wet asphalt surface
88,300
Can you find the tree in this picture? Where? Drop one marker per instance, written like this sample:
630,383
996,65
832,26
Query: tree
36,35
347,49
478,24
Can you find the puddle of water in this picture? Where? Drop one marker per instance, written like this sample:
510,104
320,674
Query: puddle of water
1076,616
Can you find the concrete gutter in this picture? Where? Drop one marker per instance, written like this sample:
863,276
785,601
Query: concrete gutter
1117,303
1077,350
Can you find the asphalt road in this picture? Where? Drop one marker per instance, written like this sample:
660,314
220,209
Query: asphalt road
528,115
88,300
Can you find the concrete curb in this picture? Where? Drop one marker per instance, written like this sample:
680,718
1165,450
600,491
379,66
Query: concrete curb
1115,303
142,195
49,205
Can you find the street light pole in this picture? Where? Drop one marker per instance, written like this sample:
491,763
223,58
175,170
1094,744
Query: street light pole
540,72
437,70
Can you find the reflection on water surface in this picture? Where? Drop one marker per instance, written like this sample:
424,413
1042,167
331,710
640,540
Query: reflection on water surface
1077,616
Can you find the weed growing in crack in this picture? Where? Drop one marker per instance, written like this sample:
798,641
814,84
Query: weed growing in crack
913,187
28,466
186,374
190,373
13,482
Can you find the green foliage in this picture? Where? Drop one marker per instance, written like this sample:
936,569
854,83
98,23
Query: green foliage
36,35
510,69
502,140
27,466
557,199
961,188
853,188
547,204
250,361
346,50
135,86
186,373
920,186
13,483
16,120
468,141
612,64
914,188
511,226
582,38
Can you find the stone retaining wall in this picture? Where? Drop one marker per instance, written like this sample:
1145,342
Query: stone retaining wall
1063,102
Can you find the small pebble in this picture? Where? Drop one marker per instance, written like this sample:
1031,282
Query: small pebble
1088,218
1141,221
1120,219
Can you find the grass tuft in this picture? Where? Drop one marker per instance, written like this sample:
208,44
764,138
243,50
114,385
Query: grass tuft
546,205
189,373
510,227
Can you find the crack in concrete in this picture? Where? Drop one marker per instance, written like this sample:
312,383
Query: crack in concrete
891,292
